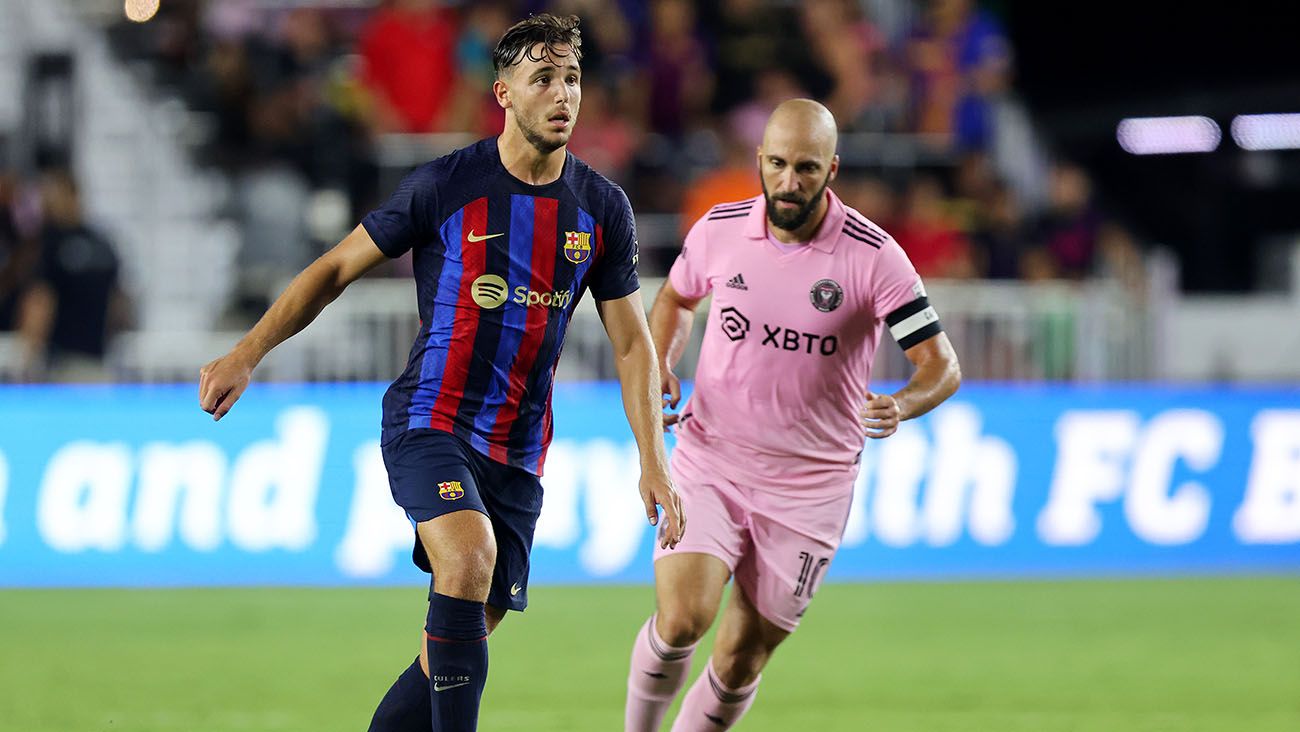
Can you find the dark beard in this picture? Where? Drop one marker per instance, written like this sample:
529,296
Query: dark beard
792,220
539,143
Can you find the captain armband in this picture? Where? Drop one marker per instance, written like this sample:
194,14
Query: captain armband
914,323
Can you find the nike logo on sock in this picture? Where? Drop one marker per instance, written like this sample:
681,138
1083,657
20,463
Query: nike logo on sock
717,720
439,687
656,675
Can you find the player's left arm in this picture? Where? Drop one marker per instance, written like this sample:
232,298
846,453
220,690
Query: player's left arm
638,374
936,378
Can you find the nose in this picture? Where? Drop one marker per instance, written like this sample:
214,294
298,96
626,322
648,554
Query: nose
788,181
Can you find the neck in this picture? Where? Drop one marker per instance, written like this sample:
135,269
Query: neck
805,233
526,162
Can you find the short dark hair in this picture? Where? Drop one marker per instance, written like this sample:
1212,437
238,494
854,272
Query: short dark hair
549,30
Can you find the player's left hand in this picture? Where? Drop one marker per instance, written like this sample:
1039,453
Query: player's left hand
880,415
657,490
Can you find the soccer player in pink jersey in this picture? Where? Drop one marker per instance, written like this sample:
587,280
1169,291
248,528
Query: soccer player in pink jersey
768,444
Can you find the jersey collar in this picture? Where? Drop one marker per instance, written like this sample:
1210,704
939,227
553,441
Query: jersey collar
827,234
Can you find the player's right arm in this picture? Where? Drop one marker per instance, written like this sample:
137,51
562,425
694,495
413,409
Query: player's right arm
673,313
671,318
222,381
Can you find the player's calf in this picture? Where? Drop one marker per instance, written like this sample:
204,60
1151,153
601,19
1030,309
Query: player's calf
657,672
462,553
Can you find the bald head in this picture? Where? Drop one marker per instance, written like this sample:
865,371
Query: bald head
803,122
796,162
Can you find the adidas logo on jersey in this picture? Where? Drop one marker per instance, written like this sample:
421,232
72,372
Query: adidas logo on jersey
737,282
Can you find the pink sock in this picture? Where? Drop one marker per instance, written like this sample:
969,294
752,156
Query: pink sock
710,705
657,674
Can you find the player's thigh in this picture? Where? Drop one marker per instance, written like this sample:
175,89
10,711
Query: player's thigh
513,498
688,593
790,553
689,580
462,550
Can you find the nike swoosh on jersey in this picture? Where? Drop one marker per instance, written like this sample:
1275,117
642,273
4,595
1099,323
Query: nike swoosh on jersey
485,237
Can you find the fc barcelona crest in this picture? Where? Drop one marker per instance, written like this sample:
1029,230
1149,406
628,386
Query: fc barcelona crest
450,490
577,246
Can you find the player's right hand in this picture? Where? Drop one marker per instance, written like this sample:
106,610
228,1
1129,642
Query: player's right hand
221,383
657,490
671,388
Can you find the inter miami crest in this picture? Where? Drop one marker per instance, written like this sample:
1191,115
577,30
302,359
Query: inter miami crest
577,246
826,295
450,490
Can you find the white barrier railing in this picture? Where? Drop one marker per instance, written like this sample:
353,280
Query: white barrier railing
1092,331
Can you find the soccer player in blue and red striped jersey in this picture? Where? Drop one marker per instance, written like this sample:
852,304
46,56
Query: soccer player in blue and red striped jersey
506,235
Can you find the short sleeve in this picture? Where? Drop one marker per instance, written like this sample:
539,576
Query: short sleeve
689,274
899,298
615,275
404,221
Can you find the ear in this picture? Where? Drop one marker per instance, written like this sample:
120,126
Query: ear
835,167
502,93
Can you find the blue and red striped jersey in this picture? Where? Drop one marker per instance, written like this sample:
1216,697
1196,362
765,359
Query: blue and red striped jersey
499,267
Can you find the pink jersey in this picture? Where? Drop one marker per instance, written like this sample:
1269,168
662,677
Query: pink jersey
786,361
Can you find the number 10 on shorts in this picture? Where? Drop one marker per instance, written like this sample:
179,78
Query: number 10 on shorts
810,570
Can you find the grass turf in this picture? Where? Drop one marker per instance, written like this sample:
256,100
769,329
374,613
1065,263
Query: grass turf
1118,656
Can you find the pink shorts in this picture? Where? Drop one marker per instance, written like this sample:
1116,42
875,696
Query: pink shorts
777,543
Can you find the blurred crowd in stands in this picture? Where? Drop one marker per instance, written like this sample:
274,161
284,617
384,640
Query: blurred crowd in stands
295,103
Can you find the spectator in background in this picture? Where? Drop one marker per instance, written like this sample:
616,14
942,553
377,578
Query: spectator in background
849,48
1066,232
407,50
18,254
749,37
475,109
935,245
75,304
1000,241
678,79
735,178
960,61
606,141
870,196
1119,257
772,86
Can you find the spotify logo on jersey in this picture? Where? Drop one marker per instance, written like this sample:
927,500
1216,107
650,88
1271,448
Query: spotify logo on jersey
488,291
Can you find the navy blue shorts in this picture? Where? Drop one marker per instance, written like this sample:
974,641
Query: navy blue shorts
433,473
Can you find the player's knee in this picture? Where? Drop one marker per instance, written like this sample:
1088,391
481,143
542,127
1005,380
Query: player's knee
739,668
683,625
466,574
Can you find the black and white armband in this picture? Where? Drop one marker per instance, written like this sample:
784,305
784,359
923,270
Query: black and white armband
914,323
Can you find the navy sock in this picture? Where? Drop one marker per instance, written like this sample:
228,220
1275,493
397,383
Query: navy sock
406,706
456,637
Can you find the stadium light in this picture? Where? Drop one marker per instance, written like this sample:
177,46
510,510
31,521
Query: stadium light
1168,135
140,11
1266,131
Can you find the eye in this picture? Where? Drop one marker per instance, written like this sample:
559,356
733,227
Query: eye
543,80
573,80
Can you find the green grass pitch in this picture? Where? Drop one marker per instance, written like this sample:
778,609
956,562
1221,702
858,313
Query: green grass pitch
1115,656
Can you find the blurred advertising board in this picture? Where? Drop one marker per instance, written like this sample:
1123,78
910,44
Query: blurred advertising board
134,486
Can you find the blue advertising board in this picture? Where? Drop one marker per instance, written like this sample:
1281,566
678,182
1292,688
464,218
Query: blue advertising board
134,486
